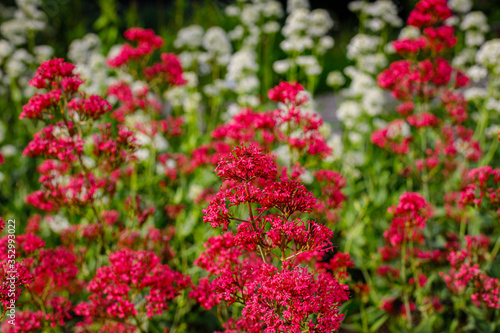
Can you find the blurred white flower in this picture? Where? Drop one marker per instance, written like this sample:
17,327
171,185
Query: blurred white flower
474,38
475,20
320,23
57,223
335,79
361,44
489,55
189,37
475,93
460,6
293,5
271,27
477,73
493,104
9,150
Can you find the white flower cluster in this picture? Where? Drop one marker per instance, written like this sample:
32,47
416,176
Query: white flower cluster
362,101
18,27
305,39
363,49
379,14
306,30
26,18
489,55
475,26
460,6
86,54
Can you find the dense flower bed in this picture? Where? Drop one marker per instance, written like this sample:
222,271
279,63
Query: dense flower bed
199,189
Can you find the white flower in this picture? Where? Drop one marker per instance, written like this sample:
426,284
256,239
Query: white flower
232,10
283,154
379,123
356,6
142,154
237,33
375,24
460,6
475,20
493,131
190,37
493,104
361,44
114,51
9,150
398,129
297,22
15,68
355,137
6,49
160,143
271,27
194,191
475,93
474,38
298,44
273,9
373,101
57,223
249,15
335,79
142,139
191,78
306,177
489,54
282,66
409,32
248,100
348,109
216,41
89,162
191,104
325,43
477,73
43,53
452,21
320,23
293,5
370,63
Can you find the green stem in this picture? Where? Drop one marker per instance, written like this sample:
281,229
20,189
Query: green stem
404,286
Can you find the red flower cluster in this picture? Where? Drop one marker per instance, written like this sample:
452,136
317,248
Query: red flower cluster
91,107
147,42
484,183
114,287
302,134
466,273
285,299
428,13
394,137
170,69
410,215
60,141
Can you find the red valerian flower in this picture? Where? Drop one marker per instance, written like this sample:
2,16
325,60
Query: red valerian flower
170,68
245,164
288,93
147,42
428,13
304,300
59,141
114,286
